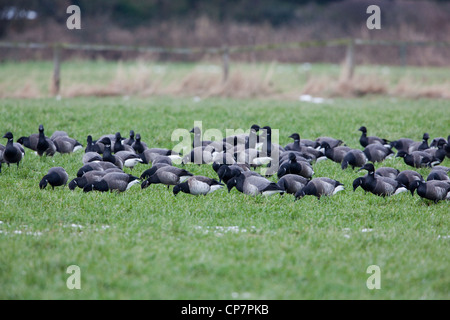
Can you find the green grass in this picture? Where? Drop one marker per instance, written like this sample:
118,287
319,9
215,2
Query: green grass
148,244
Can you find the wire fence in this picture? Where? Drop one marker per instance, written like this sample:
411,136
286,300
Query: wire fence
348,66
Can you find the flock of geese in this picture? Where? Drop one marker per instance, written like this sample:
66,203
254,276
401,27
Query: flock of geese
236,158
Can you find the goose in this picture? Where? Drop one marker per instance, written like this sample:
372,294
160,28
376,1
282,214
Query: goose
381,186
437,153
226,172
267,146
12,152
354,158
377,152
65,144
94,147
199,155
129,141
319,187
335,154
224,158
198,142
284,156
360,182
58,134
139,146
91,156
434,190
435,142
114,181
420,146
198,185
387,172
438,175
447,148
44,144
250,140
407,177
129,159
297,144
108,156
402,144
55,177
31,142
151,153
253,185
96,166
90,177
331,141
364,140
168,176
292,183
417,159
292,166
162,159
149,172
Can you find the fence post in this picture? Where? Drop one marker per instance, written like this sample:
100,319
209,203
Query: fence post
349,64
56,81
226,64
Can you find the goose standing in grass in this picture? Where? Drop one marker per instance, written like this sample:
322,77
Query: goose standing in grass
55,177
335,154
387,172
198,185
253,185
434,190
319,187
377,152
12,153
91,156
129,159
90,177
65,144
44,144
438,174
129,141
331,141
417,159
402,144
381,186
292,166
354,158
297,144
149,172
437,153
115,181
108,156
197,141
96,166
93,147
138,145
292,183
168,176
420,146
364,140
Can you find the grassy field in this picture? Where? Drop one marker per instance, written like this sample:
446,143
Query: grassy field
148,244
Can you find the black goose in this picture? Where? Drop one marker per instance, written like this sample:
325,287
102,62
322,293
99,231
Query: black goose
253,185
226,172
129,159
364,140
114,181
387,172
437,153
402,144
55,177
108,156
407,177
13,152
198,185
319,187
96,166
91,156
360,182
297,144
336,154
438,174
93,147
417,159
292,183
377,152
434,143
198,142
381,186
292,166
44,144
168,176
138,145
354,158
31,142
331,141
129,141
149,172
65,144
90,177
434,190
420,146
58,134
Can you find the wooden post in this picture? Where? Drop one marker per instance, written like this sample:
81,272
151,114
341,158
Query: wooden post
349,64
226,65
56,81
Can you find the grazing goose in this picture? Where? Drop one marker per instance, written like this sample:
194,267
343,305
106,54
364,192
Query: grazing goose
354,158
402,144
434,190
253,185
292,166
13,152
139,146
377,152
149,154
96,166
438,175
58,134
360,182
108,156
44,144
292,183
407,177
65,144
319,187
197,185
331,141
225,172
365,140
89,178
168,176
129,159
284,156
55,177
91,156
420,146
114,181
336,154
297,144
417,159
387,172
149,172
381,186
94,147
129,141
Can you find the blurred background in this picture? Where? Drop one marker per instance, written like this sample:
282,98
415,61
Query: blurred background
224,23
